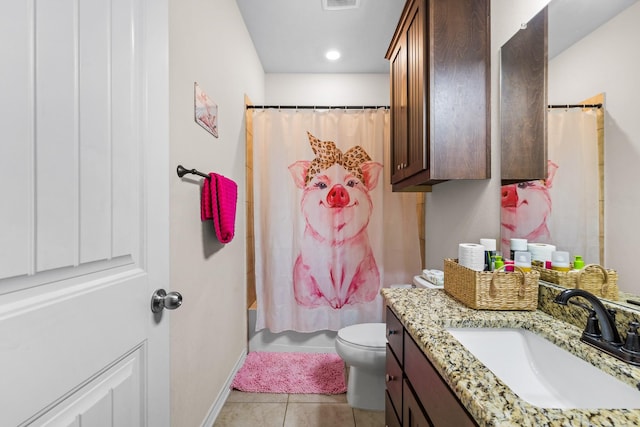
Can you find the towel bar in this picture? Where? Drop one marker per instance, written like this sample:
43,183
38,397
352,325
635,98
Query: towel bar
183,171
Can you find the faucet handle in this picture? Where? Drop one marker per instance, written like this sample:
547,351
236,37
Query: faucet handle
632,343
593,328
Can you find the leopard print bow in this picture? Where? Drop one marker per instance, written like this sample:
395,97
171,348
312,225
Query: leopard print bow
327,154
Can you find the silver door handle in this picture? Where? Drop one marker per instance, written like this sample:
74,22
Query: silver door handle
161,299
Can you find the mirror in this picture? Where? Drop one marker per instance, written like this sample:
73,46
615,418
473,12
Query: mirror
587,58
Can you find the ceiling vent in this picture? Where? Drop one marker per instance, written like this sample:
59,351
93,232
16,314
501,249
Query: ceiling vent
340,4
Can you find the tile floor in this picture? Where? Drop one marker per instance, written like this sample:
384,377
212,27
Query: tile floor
293,410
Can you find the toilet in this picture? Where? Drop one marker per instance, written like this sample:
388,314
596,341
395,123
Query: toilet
363,349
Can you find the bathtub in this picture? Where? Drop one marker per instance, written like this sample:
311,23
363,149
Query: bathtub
291,341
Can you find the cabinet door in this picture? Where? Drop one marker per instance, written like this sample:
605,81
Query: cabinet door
416,57
523,103
459,90
407,98
442,405
398,110
412,412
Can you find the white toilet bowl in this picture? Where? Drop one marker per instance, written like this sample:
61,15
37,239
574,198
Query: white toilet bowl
363,348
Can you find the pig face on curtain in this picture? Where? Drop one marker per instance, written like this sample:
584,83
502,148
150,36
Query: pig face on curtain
526,210
336,265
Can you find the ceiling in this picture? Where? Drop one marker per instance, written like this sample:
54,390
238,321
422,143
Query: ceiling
292,36
571,20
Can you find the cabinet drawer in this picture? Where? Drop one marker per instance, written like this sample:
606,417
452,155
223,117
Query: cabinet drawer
390,416
394,335
442,406
394,382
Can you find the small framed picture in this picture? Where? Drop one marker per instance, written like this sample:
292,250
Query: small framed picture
206,111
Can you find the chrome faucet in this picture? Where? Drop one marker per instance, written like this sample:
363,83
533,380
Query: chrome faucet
606,336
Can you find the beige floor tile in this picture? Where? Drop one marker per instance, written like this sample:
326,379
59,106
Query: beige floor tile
241,396
318,398
369,418
251,414
319,415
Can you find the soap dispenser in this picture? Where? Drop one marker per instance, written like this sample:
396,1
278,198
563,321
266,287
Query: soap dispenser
498,263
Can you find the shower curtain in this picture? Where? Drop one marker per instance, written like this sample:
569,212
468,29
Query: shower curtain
328,231
573,146
563,209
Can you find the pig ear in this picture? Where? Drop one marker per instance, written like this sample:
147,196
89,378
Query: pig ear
371,172
298,171
551,173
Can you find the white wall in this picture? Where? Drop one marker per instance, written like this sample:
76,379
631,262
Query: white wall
327,89
465,211
609,61
209,44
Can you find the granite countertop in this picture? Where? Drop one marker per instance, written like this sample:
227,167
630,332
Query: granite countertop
426,312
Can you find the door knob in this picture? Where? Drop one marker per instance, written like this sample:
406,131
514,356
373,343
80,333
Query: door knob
161,299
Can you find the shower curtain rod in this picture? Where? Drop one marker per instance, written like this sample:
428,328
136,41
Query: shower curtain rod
575,106
317,107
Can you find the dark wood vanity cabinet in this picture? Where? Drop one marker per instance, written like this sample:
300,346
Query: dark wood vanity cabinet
394,374
523,103
440,93
416,395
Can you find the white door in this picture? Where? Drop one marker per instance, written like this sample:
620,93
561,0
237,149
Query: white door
83,212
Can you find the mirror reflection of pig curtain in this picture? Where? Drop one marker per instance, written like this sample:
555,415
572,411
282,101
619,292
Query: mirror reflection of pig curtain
328,231
563,209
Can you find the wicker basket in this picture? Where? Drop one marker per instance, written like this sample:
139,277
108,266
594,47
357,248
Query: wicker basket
497,290
592,278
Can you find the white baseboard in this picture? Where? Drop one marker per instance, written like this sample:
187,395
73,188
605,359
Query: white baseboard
215,409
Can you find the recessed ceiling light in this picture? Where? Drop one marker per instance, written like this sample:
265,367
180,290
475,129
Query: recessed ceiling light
340,4
332,55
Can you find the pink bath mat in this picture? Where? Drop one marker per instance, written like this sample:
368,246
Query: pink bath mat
314,373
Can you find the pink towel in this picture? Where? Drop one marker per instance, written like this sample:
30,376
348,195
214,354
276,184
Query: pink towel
218,202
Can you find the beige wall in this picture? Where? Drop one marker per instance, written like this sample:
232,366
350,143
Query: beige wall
209,44
327,89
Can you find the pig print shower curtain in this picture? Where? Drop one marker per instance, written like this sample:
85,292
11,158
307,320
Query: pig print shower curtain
563,209
328,231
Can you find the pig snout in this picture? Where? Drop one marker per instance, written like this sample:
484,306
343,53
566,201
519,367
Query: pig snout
338,197
509,196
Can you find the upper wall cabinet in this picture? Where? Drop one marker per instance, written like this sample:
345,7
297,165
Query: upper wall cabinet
440,93
523,103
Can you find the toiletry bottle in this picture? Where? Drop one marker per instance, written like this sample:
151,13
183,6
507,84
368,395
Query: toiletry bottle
578,263
517,245
523,260
498,263
560,261
508,265
489,253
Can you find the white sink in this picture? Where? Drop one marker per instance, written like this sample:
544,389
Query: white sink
544,374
